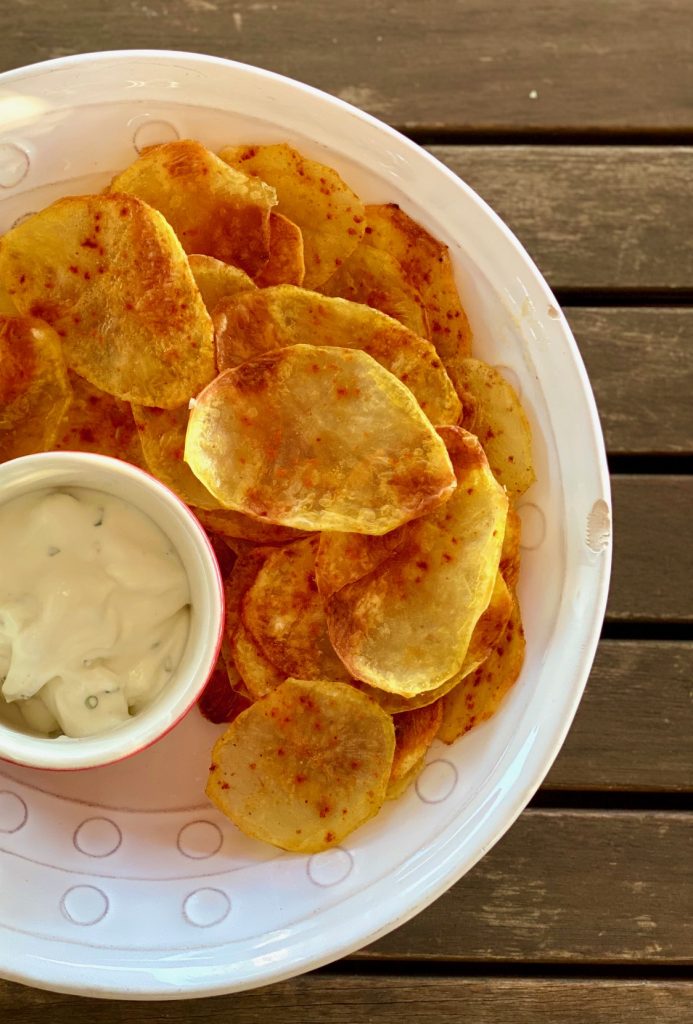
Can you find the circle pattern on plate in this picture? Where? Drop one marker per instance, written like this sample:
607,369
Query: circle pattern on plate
206,907
199,839
84,905
14,165
436,782
330,867
97,837
13,811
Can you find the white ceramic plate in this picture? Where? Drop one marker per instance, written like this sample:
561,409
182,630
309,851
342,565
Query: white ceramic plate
124,881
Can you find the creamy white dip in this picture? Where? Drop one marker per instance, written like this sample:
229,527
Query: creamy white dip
94,610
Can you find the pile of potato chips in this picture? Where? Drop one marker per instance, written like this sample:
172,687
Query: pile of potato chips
297,367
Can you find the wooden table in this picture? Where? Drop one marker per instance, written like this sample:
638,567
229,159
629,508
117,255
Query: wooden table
575,121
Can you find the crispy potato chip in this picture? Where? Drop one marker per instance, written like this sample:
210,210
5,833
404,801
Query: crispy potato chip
501,424
479,696
271,318
286,264
313,196
217,280
510,552
398,787
7,306
317,438
374,277
284,612
98,422
255,669
34,389
214,209
487,633
162,436
428,269
219,702
407,625
304,767
234,526
109,275
345,557
414,733
237,582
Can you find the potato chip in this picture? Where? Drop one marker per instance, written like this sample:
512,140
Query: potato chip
214,209
7,306
407,625
313,196
286,263
34,389
234,526
284,612
487,633
398,787
98,422
162,436
217,280
272,318
304,767
236,583
414,733
255,669
317,438
479,695
427,267
501,424
345,557
510,552
109,275
374,277
219,702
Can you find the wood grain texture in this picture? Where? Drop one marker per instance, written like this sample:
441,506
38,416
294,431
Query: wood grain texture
640,363
591,216
653,549
633,728
364,999
445,64
566,887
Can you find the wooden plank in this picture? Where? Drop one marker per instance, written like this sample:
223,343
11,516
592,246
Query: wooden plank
634,726
566,887
453,65
591,216
653,549
640,363
365,999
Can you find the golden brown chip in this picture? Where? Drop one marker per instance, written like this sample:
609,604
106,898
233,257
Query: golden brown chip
98,422
271,318
162,436
219,701
214,209
286,264
407,625
398,787
501,424
329,215
510,552
234,526
255,669
318,439
345,557
428,269
284,612
479,695
34,389
217,280
7,306
414,733
236,583
304,767
109,275
487,633
374,277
